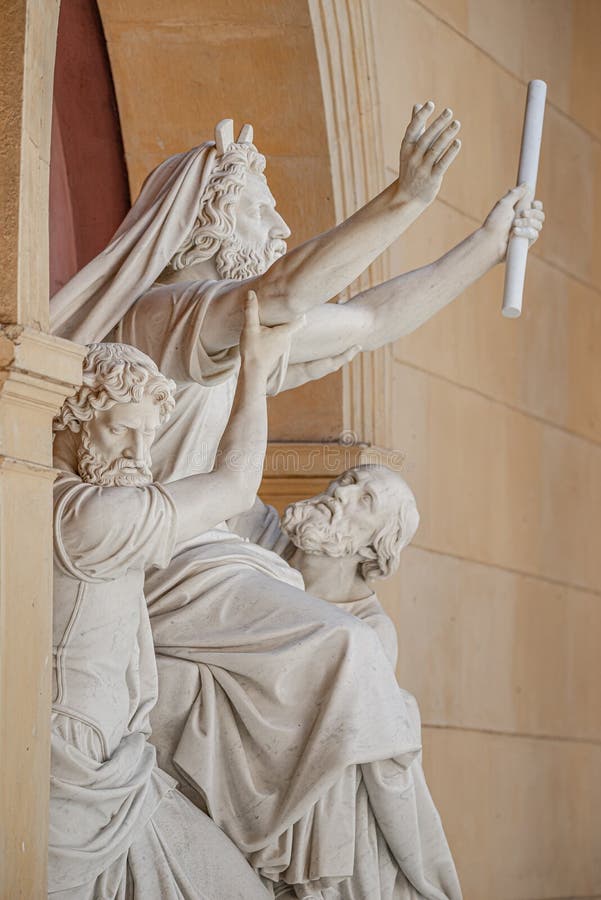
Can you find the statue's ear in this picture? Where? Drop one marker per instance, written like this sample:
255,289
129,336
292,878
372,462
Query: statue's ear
224,135
246,135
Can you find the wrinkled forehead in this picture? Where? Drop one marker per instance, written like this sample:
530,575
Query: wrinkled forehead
363,474
385,484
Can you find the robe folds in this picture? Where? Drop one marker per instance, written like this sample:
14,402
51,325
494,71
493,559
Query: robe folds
118,826
279,713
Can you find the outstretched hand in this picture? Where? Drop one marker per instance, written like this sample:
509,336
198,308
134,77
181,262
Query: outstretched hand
512,215
261,346
427,153
302,372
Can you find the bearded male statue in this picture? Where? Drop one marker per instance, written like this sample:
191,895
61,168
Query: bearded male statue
279,714
343,539
118,826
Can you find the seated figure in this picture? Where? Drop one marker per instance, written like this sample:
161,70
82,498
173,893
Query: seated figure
119,828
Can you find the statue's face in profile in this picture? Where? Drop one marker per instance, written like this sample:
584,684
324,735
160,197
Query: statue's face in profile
257,219
115,444
259,237
345,518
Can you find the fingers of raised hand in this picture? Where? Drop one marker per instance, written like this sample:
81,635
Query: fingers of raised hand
528,223
432,132
514,195
435,150
317,368
340,359
526,231
251,312
536,213
527,220
420,116
444,161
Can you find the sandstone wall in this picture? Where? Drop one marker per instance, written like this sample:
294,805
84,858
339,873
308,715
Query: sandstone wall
497,603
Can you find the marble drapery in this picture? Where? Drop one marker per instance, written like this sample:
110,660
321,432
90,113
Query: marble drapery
118,826
294,735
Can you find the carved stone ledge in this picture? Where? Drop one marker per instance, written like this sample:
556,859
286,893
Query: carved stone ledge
37,372
294,471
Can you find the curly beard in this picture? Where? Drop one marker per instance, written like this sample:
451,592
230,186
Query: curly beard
236,260
317,526
94,470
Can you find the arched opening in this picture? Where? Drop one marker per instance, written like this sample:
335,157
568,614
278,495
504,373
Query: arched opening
89,192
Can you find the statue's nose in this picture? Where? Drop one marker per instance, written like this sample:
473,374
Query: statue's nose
279,229
135,449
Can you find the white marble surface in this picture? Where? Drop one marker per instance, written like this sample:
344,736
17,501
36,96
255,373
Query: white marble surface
278,712
118,825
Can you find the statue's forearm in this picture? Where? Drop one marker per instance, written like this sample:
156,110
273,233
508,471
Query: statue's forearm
397,307
401,305
325,265
306,277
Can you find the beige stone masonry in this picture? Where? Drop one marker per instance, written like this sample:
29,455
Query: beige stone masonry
522,816
468,344
505,652
37,371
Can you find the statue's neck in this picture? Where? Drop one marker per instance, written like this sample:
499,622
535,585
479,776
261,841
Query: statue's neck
200,271
330,578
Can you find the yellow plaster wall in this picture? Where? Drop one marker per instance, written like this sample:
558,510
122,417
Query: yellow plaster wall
498,600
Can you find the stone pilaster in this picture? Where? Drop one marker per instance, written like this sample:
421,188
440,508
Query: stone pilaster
36,372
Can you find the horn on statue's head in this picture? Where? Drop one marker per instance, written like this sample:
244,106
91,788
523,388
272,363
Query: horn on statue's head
224,135
246,135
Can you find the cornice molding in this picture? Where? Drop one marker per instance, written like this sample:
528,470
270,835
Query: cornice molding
37,372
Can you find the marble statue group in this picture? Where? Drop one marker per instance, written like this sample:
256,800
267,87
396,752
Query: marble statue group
226,720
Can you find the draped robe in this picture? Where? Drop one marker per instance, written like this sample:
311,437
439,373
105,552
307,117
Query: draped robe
118,826
279,714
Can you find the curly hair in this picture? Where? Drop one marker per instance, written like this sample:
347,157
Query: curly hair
114,373
217,214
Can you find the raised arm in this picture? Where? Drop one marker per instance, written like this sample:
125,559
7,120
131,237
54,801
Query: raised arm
320,268
325,265
203,501
387,312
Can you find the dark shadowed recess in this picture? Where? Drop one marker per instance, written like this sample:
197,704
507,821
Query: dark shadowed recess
89,192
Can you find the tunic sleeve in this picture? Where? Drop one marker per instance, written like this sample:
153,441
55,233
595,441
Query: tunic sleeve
166,323
100,533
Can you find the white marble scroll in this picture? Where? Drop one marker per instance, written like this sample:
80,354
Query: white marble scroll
517,252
